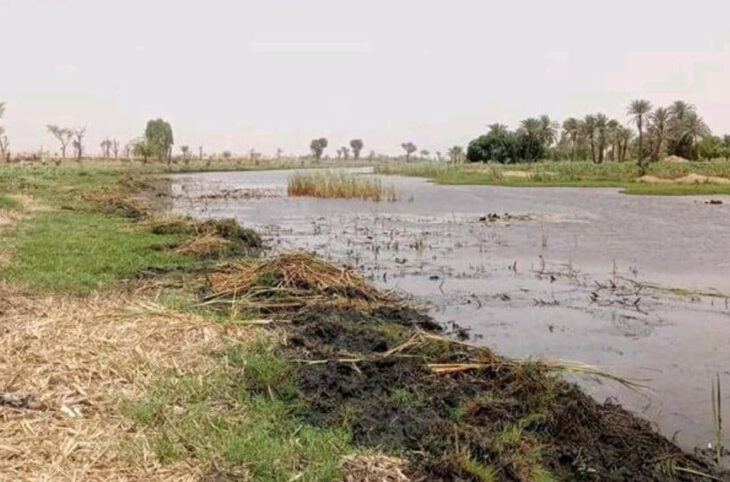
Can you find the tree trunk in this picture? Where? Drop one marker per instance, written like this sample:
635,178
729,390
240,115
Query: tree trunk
593,150
641,140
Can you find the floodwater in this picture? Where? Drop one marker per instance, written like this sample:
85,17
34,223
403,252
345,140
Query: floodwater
633,284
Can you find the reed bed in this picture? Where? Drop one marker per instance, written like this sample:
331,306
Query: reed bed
331,184
289,282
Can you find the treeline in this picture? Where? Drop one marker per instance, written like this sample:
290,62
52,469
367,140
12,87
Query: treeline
653,133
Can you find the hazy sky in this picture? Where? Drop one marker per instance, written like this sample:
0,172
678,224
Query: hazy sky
266,74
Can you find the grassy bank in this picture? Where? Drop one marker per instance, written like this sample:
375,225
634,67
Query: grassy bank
577,174
161,348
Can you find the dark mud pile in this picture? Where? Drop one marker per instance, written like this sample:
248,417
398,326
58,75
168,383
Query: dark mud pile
463,413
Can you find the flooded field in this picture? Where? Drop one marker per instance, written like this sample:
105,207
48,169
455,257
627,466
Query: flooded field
634,284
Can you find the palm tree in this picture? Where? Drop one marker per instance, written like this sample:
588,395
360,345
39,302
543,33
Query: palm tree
638,109
571,126
589,130
601,128
624,135
658,127
497,128
678,143
612,136
548,131
694,129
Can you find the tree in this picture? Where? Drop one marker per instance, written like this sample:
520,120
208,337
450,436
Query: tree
658,124
345,152
142,147
410,148
612,127
62,134
456,154
185,150
159,136
115,148
694,129
638,109
601,134
589,131
279,152
356,145
106,146
317,146
3,144
499,144
711,147
424,153
78,142
530,144
572,127
226,155
548,131
726,146
3,138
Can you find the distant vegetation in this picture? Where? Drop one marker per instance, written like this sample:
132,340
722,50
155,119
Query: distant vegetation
330,184
646,135
676,130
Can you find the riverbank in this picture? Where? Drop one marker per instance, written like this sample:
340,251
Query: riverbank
686,178
168,349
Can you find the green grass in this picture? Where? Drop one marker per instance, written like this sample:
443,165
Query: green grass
571,174
224,416
77,252
10,203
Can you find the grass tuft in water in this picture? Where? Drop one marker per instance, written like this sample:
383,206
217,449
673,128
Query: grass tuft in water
330,184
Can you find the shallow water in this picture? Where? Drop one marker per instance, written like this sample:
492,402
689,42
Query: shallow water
570,282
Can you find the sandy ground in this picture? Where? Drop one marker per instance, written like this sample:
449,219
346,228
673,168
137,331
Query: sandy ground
68,366
691,178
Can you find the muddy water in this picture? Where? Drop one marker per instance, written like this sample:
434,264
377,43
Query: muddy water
573,274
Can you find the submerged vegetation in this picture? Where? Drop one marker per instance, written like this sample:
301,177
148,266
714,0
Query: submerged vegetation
331,184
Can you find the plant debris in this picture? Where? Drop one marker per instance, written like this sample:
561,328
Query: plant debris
289,282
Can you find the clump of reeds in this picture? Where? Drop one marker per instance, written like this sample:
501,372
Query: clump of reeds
289,282
331,184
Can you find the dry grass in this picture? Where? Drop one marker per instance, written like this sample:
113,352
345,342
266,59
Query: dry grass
68,364
374,468
330,184
205,245
288,282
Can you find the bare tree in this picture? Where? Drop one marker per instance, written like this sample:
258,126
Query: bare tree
63,135
106,146
78,142
115,148
200,152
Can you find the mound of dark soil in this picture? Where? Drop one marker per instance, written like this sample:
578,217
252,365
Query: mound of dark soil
502,421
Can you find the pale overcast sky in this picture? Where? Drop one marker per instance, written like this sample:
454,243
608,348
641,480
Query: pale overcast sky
273,73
